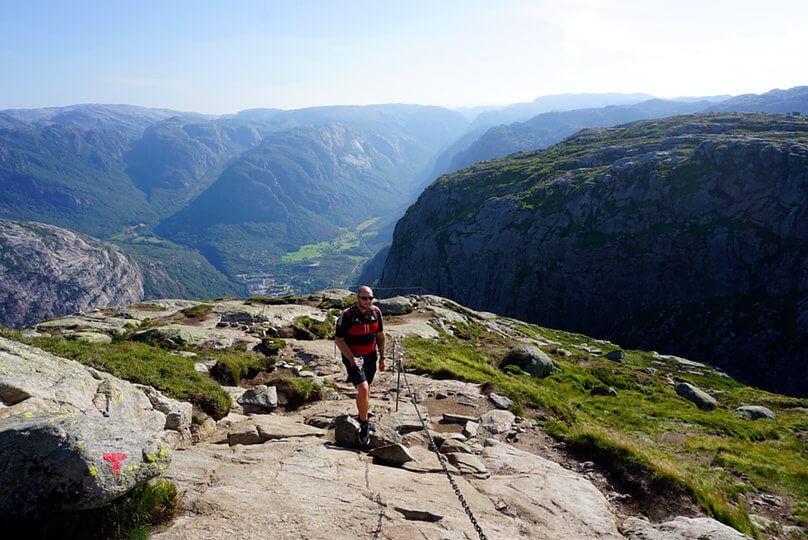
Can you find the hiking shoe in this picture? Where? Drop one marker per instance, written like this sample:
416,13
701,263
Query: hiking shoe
364,434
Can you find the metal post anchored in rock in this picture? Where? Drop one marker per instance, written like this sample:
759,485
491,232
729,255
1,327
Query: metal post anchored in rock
397,364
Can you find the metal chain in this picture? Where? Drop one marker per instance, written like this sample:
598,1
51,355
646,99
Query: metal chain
397,358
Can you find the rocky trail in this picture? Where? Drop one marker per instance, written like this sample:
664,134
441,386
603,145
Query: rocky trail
298,474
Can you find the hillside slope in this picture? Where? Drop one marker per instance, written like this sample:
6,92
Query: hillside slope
46,271
687,235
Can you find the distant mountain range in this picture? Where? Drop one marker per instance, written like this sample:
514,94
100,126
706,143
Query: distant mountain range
549,128
267,201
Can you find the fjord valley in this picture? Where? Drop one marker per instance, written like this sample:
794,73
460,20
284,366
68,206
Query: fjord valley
206,204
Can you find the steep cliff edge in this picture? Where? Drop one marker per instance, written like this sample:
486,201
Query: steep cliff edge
687,235
47,271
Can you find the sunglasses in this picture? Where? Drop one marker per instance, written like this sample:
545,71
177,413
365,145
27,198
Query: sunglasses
366,298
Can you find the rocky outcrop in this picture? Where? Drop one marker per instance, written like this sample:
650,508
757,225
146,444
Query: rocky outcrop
72,437
46,271
686,235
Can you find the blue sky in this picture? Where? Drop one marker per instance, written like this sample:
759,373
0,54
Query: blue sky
221,57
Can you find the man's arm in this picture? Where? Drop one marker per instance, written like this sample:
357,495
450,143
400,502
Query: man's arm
345,350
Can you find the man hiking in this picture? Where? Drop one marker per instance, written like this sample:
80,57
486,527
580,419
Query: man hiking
359,331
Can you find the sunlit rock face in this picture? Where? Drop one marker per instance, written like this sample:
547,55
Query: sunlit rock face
47,271
686,235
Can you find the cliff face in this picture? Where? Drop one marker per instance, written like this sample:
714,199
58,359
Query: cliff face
687,235
46,271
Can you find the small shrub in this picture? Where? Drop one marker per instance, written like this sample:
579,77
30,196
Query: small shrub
513,369
296,390
231,367
130,516
271,346
200,310
310,329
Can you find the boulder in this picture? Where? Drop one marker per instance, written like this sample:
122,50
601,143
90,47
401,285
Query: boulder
263,428
467,463
753,412
497,421
90,337
615,356
180,335
679,528
567,505
71,437
702,399
76,323
178,413
260,399
441,438
500,402
449,418
274,426
530,359
397,305
346,430
245,433
392,454
333,297
470,429
454,445
62,462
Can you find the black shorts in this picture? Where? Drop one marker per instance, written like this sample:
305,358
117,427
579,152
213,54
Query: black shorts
357,376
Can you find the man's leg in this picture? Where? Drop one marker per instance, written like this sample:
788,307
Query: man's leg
363,400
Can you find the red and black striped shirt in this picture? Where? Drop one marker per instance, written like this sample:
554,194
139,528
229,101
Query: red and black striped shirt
359,329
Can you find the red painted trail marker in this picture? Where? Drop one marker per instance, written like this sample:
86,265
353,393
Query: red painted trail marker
115,459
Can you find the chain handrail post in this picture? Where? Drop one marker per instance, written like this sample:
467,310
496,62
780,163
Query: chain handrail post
397,362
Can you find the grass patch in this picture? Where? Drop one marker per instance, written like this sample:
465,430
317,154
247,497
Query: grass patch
311,329
197,311
308,251
271,346
130,516
295,390
647,434
145,364
233,366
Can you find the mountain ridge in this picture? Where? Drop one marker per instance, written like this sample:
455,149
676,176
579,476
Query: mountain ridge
597,233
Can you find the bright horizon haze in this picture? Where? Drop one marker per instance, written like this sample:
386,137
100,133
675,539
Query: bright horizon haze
217,58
